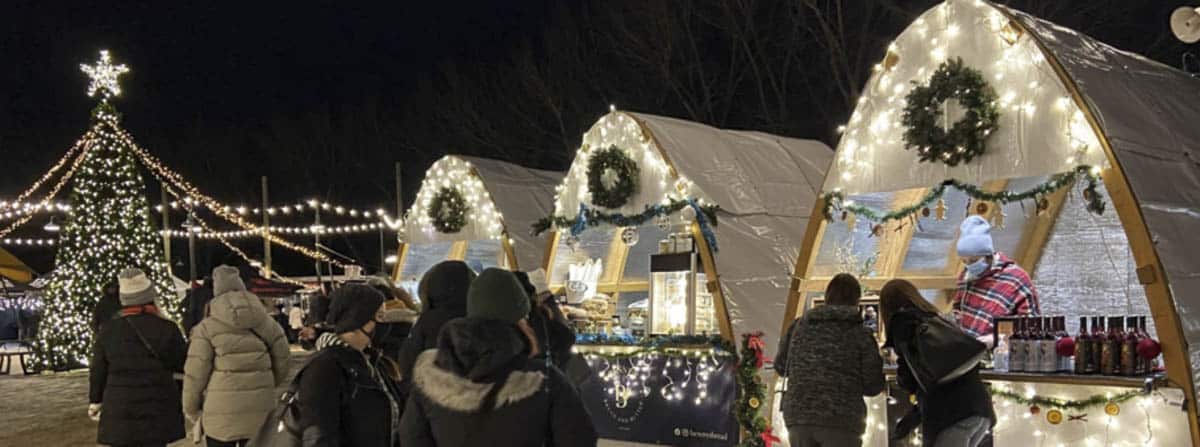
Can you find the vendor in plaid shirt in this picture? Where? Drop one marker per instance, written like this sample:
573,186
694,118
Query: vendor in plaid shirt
991,285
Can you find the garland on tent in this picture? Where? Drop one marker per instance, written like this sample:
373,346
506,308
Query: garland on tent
448,210
752,394
588,217
1111,403
612,177
836,200
924,120
695,345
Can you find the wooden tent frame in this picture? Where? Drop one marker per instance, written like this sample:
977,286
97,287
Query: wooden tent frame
1149,265
612,280
458,250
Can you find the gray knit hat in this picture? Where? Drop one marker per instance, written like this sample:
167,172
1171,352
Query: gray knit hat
352,306
135,288
225,279
497,294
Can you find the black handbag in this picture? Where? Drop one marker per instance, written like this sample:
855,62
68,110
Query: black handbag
282,427
941,352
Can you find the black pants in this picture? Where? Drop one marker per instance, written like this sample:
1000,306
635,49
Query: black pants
210,442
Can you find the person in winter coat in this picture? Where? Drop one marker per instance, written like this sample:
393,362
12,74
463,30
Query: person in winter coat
954,414
554,334
443,292
832,362
481,388
399,315
108,307
236,359
131,385
348,393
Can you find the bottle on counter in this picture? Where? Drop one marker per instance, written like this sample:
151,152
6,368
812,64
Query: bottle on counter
1018,350
1114,340
1064,361
1097,344
1145,366
1083,348
1000,354
1050,361
1129,357
1033,360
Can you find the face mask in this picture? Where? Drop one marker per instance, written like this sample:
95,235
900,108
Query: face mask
975,269
378,336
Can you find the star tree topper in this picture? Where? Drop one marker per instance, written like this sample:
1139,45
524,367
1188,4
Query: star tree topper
104,76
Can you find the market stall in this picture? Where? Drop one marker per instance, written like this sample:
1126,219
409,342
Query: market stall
1083,160
671,239
475,210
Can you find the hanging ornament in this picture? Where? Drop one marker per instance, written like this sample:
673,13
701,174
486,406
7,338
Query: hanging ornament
850,221
845,214
754,403
998,219
630,236
1043,205
1065,346
940,210
1054,417
981,208
1034,410
688,214
663,222
925,212
572,242
1112,409
877,230
1149,348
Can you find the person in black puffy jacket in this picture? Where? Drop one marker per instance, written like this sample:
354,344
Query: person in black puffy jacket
958,413
481,387
443,292
348,394
131,385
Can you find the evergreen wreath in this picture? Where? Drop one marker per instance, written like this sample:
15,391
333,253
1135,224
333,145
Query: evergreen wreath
612,177
448,210
966,139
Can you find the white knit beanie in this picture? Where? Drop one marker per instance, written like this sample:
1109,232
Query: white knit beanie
226,279
975,237
135,288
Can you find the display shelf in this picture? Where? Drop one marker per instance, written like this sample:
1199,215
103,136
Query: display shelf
1065,379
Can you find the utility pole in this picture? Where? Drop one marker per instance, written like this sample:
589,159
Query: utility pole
266,229
191,230
316,229
166,226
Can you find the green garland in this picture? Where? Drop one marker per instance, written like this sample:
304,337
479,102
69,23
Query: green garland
612,161
966,139
752,394
837,200
448,210
1063,404
593,217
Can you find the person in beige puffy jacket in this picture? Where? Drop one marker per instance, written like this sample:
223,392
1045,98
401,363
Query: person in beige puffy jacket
236,359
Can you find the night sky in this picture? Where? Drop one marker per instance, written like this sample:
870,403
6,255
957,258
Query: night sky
225,92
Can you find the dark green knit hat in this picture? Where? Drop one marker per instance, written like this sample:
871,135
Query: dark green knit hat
497,295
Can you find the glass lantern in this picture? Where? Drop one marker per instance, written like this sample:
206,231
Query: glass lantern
679,302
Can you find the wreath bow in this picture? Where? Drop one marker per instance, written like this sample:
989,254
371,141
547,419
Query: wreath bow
768,437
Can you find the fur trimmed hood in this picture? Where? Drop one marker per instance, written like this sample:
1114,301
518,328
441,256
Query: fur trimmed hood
457,393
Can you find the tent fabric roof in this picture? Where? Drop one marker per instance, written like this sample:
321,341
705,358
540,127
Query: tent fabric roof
521,195
766,186
1148,112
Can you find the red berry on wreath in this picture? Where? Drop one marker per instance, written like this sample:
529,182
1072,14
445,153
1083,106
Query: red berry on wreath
1035,409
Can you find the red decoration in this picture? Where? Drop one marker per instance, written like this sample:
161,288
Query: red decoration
769,437
755,343
1149,348
1035,409
1065,347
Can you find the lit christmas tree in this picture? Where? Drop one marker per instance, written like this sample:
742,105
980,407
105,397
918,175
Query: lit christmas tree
109,229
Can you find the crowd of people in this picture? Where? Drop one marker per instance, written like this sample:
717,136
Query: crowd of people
831,359
479,360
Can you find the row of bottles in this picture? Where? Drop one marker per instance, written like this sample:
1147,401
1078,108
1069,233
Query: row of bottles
1042,345
1111,347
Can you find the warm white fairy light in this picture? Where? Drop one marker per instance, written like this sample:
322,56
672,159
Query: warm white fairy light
281,230
483,221
659,183
376,214
104,76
